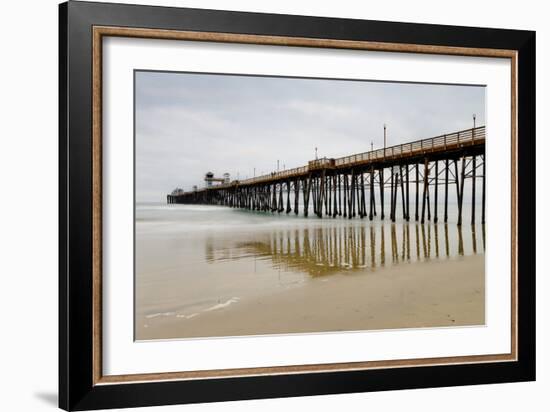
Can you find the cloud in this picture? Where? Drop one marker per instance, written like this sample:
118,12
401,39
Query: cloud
187,124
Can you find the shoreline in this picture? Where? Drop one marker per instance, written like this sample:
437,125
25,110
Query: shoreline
422,294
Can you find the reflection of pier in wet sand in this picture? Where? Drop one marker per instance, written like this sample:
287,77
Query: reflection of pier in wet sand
330,249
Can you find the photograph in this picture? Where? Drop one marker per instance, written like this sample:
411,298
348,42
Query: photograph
268,205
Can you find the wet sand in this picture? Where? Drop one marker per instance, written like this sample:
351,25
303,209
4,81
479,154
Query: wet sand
423,294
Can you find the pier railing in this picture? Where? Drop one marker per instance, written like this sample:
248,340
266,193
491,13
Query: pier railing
443,142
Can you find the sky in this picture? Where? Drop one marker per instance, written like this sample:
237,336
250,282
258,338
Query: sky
187,124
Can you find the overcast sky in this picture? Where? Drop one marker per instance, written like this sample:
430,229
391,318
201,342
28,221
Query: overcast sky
188,124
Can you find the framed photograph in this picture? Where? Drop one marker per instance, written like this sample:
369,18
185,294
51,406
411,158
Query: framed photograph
256,205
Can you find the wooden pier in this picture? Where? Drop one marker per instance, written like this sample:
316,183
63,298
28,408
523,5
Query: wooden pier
347,186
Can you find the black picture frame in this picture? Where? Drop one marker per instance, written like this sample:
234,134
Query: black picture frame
77,390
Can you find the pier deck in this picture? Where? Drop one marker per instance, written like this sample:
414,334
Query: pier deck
328,181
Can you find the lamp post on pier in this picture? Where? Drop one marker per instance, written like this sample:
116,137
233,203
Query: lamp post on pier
384,139
473,117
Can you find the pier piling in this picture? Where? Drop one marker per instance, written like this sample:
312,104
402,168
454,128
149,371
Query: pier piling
483,194
436,190
445,214
381,176
473,190
417,190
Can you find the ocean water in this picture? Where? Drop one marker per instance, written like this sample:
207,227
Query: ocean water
192,259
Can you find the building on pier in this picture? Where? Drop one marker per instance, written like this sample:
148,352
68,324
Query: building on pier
210,179
177,192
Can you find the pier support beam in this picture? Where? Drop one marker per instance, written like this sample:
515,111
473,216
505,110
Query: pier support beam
339,181
373,194
288,208
371,197
484,157
321,196
416,194
457,181
436,189
394,200
392,217
445,214
424,193
346,204
363,208
473,189
327,195
358,194
407,192
335,187
316,195
428,201
296,196
461,194
352,196
404,209
307,191
274,199
381,176
281,208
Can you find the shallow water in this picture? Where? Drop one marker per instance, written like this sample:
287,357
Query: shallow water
196,259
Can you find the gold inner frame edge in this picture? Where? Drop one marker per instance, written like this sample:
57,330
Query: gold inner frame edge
102,31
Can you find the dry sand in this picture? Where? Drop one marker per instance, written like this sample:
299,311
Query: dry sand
427,294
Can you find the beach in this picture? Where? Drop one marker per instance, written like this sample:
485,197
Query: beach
431,294
206,271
